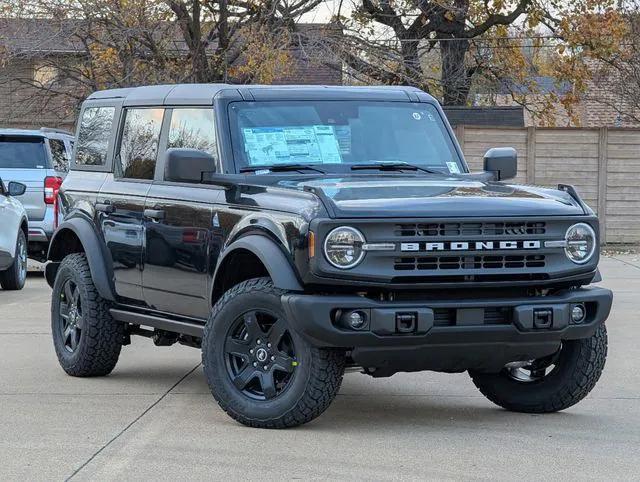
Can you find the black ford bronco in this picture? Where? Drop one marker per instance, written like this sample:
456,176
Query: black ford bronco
295,232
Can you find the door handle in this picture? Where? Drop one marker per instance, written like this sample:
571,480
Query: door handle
105,207
156,214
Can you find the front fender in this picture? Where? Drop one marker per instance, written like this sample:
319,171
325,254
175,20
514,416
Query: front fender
97,257
270,255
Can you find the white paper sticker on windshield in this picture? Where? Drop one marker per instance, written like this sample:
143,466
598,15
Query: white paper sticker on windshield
285,145
453,167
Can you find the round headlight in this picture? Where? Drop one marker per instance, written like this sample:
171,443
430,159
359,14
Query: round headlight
581,243
343,247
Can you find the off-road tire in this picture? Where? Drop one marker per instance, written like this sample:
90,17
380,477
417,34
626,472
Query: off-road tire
101,336
317,378
11,278
580,365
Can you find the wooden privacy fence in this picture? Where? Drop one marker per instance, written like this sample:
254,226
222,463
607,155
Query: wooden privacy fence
603,164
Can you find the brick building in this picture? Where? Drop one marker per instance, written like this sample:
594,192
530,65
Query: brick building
37,44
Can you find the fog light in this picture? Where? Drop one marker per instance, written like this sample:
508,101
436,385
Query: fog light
356,320
577,313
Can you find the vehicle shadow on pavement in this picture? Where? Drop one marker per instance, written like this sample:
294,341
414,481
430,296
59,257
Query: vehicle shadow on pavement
411,411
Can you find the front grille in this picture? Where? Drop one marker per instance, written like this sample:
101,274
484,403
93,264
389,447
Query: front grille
469,229
492,316
433,263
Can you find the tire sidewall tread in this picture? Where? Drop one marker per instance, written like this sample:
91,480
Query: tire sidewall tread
101,336
10,278
575,378
316,381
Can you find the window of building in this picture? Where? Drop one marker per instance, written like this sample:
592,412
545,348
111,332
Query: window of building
139,144
45,75
193,128
93,136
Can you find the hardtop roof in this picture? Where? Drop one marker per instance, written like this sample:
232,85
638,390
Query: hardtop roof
204,94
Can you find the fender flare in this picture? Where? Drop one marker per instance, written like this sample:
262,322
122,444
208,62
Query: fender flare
270,255
98,259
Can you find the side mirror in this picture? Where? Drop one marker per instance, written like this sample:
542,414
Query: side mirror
16,188
187,165
502,161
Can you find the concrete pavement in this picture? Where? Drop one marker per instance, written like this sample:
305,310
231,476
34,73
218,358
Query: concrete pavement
154,418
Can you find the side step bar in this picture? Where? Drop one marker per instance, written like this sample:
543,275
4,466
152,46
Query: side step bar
182,327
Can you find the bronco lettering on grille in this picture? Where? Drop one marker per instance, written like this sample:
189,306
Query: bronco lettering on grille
469,245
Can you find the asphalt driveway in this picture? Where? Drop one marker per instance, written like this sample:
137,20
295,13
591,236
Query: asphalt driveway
154,418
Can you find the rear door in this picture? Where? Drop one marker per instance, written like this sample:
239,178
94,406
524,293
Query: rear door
121,200
182,231
24,159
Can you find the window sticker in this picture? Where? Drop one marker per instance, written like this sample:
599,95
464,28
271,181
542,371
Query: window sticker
343,136
453,167
284,145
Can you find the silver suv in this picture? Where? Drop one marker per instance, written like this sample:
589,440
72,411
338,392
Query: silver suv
40,160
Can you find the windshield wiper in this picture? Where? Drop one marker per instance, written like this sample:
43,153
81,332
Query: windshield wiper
393,166
282,168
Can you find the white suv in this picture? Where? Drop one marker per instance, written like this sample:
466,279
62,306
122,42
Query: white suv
13,237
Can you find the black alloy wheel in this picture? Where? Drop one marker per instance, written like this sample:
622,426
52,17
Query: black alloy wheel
86,338
260,355
70,315
260,369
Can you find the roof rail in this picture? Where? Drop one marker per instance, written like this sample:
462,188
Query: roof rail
55,130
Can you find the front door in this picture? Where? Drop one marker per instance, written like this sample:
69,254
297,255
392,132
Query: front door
121,200
182,243
182,232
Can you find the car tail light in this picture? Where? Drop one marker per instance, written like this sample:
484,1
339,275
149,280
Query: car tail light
51,187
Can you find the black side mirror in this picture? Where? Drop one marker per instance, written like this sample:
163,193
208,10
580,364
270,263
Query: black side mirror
502,161
188,165
16,188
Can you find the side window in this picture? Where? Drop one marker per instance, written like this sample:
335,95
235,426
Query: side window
139,144
60,156
93,136
193,128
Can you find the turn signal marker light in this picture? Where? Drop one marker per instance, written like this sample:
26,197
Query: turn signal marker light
312,244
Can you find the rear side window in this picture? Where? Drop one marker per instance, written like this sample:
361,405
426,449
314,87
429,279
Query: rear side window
93,136
59,155
139,144
22,152
194,129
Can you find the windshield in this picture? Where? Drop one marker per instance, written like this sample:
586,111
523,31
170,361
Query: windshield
20,152
335,133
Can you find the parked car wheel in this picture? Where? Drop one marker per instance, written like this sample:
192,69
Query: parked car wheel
15,277
261,372
86,338
549,384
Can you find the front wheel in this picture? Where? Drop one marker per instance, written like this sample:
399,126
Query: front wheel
549,384
261,372
14,277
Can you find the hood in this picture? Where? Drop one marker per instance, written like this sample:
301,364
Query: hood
396,196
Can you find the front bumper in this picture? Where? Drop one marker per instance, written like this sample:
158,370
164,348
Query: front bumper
464,339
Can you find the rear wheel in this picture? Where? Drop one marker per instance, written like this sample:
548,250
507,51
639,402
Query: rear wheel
14,277
261,372
86,338
551,383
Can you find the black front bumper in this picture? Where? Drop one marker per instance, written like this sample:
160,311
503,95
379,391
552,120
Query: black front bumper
466,340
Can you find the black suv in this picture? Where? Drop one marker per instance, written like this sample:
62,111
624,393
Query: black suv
293,232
